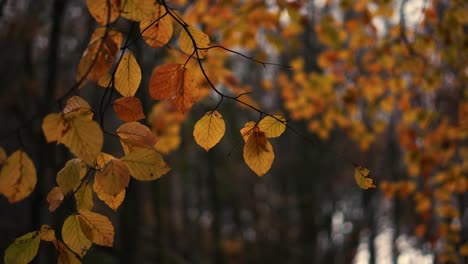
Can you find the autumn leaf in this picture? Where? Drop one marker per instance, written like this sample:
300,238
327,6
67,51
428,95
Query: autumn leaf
46,233
157,34
186,43
128,109
361,175
138,10
248,130
113,201
71,174
18,177
114,177
103,159
54,198
23,249
128,75
53,127
209,130
84,197
65,255
145,164
99,9
135,135
76,233
272,127
258,153
101,227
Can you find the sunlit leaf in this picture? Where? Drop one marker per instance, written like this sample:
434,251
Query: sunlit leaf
258,153
128,109
101,226
73,234
209,130
157,34
18,177
272,127
247,130
145,164
99,9
77,106
138,10
362,178
71,174
187,39
135,135
113,201
128,75
54,198
23,250
114,177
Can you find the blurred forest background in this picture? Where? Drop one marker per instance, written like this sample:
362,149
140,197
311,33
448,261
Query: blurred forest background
382,83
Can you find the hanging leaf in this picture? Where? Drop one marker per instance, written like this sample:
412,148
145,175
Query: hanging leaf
101,226
272,127
157,34
186,43
361,175
209,130
102,160
65,255
128,75
23,250
99,9
145,164
69,177
114,177
84,138
138,10
258,153
54,198
112,201
77,106
84,197
135,135
18,177
128,109
76,233
53,127
47,233
248,130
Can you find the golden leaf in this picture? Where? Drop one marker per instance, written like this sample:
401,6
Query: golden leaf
186,43
248,130
138,10
258,153
47,233
73,234
135,135
113,201
361,175
99,9
209,130
128,109
145,164
114,177
101,226
159,33
18,177
102,160
54,198
272,127
53,127
84,197
23,249
128,75
69,177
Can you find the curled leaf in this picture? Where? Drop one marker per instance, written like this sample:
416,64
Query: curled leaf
361,175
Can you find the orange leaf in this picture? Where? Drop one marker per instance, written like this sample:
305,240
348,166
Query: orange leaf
165,80
128,109
138,10
113,201
100,11
361,175
114,177
135,135
159,33
258,153
54,198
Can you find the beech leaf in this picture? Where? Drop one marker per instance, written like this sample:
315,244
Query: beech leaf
209,130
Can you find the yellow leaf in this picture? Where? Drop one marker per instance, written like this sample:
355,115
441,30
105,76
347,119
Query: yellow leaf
128,75
53,127
247,130
159,33
186,43
18,177
84,138
128,109
209,130
3,156
361,175
101,226
258,153
135,135
54,198
47,233
65,255
138,10
112,201
99,9
23,249
77,106
272,127
69,177
102,160
73,234
84,197
114,177
145,164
